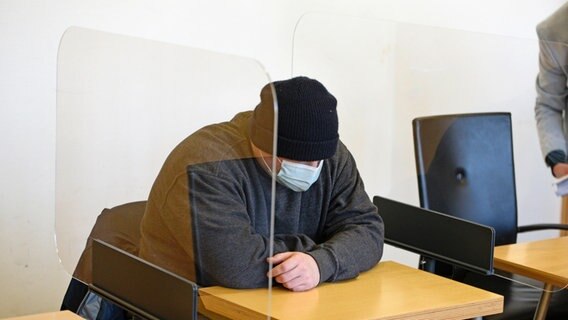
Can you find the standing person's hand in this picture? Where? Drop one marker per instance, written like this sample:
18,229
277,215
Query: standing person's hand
560,169
296,271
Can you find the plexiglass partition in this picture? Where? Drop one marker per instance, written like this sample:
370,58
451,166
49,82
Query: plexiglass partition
153,157
385,73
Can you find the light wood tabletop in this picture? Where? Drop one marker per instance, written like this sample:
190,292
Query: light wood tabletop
58,315
543,260
388,291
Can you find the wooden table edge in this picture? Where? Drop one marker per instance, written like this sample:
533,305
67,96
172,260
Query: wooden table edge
516,268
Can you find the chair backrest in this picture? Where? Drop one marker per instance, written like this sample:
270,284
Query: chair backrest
465,169
118,226
141,287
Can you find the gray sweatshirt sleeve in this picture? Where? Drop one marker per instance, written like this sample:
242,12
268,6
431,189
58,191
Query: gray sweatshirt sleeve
551,98
354,230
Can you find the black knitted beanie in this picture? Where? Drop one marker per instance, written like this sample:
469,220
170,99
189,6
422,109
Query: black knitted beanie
307,120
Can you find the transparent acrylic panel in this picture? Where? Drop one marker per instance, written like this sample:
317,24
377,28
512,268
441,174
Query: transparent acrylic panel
385,73
128,172
355,59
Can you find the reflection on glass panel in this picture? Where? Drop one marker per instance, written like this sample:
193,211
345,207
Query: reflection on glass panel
159,135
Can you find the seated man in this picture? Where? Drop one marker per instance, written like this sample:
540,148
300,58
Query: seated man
208,213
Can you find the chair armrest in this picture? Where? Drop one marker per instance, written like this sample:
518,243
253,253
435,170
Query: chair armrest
542,226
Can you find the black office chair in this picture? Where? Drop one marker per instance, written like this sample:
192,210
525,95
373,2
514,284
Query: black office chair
127,287
119,226
465,168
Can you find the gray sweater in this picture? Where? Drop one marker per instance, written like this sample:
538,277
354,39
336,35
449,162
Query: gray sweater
551,83
208,213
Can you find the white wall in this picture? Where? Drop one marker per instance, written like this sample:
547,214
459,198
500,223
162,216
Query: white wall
31,278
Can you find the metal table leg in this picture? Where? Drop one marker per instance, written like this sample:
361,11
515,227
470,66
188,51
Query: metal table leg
543,303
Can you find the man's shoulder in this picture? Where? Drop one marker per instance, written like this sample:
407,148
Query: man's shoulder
342,156
554,27
216,142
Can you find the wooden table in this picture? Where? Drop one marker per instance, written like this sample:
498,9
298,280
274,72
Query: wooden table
543,260
388,291
59,315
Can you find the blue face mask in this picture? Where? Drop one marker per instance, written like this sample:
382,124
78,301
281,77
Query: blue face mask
297,176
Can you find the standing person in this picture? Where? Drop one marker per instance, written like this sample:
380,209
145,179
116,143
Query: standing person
552,90
208,213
